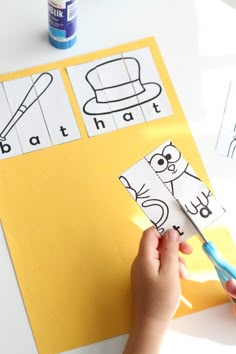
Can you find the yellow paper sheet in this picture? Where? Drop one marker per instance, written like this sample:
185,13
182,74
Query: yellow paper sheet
73,231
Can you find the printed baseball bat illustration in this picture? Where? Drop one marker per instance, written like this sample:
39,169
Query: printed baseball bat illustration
36,90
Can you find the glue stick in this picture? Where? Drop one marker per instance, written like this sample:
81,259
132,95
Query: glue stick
62,15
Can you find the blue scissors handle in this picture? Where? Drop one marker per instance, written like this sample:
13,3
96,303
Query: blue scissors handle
224,269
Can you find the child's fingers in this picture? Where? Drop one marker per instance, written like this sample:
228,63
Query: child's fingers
234,309
230,287
183,272
185,248
149,243
169,253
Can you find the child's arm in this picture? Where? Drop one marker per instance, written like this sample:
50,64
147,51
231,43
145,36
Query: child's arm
156,289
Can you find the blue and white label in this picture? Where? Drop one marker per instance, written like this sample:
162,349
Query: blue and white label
62,19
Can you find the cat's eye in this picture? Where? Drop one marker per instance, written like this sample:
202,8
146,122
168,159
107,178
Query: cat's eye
171,153
158,163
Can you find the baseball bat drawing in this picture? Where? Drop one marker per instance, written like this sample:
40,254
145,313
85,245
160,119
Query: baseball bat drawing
36,90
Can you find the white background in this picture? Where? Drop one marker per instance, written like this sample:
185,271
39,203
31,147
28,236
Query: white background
197,41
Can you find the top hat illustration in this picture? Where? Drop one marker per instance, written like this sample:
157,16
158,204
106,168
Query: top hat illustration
114,93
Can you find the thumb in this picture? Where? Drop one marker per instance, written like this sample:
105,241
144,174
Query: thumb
230,287
170,254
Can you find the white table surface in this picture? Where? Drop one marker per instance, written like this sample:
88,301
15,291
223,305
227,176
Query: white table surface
197,40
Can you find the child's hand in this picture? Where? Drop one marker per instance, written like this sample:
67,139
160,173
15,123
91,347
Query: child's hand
230,287
156,289
155,276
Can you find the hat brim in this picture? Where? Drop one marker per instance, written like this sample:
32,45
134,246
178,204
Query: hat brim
152,91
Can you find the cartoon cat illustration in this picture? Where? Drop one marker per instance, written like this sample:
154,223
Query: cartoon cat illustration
158,210
181,180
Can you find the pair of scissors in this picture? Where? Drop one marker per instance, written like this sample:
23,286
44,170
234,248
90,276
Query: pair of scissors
224,269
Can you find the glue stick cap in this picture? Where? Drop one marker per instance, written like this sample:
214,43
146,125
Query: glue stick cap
62,15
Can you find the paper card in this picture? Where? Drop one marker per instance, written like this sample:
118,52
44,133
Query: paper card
129,117
115,82
25,107
57,111
9,145
155,200
120,90
226,142
95,121
153,100
181,180
35,114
